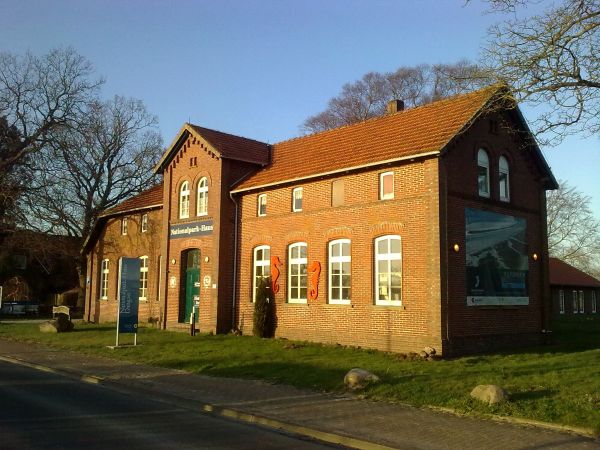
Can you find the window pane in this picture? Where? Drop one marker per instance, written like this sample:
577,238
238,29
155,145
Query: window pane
302,251
303,292
337,193
346,293
387,185
482,179
346,281
396,266
346,249
303,281
335,249
346,267
382,266
336,281
382,247
395,245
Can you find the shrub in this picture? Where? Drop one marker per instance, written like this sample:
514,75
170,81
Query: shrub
264,317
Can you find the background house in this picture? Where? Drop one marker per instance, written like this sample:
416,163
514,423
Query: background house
574,292
34,267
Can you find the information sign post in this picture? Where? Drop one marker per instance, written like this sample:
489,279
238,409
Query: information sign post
129,291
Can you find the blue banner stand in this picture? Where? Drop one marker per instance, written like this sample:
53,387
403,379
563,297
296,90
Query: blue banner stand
129,291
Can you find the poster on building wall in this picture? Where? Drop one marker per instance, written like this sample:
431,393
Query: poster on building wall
497,263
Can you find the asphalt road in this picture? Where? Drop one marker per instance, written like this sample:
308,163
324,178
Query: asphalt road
40,410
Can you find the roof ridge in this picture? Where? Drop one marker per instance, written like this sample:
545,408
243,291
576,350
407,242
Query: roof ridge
492,88
228,134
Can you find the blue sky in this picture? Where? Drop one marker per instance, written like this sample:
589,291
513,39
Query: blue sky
259,68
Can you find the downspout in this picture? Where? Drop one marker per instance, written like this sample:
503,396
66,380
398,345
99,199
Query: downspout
235,242
235,259
166,258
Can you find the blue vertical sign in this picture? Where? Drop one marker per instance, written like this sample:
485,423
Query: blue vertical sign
129,295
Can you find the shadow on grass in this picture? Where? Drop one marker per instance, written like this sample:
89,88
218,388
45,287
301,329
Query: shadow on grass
532,395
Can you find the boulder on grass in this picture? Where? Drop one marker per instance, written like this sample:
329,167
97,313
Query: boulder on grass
48,327
61,324
359,379
489,393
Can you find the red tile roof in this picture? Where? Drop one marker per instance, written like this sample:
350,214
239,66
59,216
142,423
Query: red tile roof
420,130
235,147
151,197
563,274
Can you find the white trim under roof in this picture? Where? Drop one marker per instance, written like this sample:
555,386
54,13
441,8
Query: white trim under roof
139,208
332,172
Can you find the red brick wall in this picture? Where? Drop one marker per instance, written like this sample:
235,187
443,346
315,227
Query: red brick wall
463,324
412,214
112,245
216,299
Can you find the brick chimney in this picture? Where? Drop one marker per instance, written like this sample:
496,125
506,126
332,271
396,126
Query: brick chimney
395,106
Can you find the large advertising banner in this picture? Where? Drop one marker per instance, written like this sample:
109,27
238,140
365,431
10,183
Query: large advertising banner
129,292
497,263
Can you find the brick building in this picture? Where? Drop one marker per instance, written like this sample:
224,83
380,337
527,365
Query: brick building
424,227
574,292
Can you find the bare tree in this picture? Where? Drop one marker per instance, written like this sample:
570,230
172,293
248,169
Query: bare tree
551,61
39,94
573,231
368,97
13,182
94,166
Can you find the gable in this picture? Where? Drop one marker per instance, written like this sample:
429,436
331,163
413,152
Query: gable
223,145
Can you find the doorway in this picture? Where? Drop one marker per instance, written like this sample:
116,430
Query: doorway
190,285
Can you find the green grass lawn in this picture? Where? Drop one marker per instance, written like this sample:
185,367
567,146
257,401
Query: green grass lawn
557,383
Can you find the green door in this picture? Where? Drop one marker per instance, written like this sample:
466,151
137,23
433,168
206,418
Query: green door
192,284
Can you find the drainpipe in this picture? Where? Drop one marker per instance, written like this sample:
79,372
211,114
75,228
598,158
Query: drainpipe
235,239
235,259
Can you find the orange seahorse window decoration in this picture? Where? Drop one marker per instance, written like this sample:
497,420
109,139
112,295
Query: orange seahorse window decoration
275,272
314,270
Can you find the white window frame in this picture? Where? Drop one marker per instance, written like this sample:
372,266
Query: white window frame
382,194
297,194
483,161
575,303
561,301
581,302
264,264
124,226
104,271
387,257
261,201
504,170
300,263
202,197
339,260
143,278
593,302
144,223
184,200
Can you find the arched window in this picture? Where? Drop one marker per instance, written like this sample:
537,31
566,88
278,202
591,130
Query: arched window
339,271
202,203
388,270
503,179
184,200
297,273
483,173
143,278
262,266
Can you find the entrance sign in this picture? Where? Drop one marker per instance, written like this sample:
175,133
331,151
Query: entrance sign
497,264
129,291
191,229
